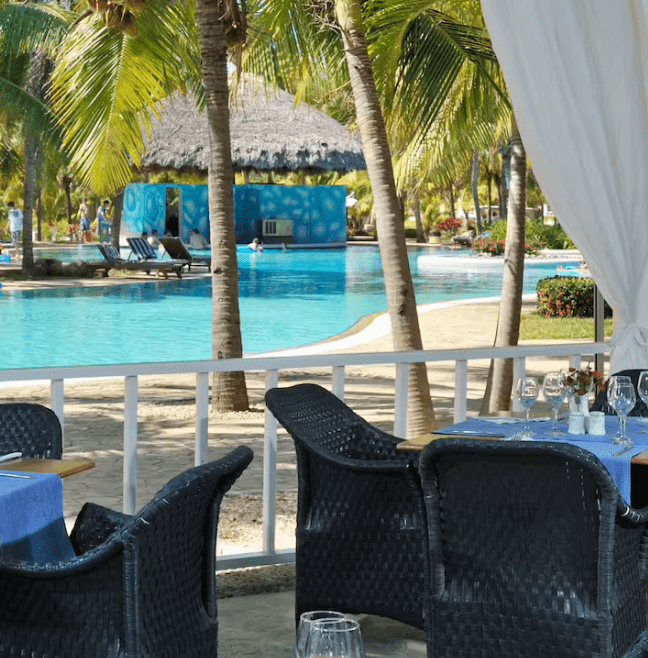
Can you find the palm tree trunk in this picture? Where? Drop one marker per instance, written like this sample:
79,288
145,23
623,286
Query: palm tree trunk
420,233
475,191
30,158
117,211
389,217
500,376
66,184
229,392
452,201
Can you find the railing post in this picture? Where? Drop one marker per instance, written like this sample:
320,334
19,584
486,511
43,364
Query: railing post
202,418
57,397
461,391
337,383
130,444
519,371
270,471
400,400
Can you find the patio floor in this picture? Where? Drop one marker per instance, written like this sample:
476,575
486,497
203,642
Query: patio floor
263,626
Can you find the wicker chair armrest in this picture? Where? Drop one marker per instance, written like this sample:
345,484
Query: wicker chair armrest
81,563
631,514
94,525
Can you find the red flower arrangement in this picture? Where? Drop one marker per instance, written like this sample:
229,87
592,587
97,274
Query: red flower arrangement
582,381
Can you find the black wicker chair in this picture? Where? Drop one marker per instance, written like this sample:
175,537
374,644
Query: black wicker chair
31,429
361,535
601,403
147,591
532,553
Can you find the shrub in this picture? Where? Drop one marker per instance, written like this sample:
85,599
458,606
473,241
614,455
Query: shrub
567,296
497,247
410,233
452,224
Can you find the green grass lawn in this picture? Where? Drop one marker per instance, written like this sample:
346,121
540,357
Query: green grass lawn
538,327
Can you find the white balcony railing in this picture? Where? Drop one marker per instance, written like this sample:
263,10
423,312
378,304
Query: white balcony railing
273,366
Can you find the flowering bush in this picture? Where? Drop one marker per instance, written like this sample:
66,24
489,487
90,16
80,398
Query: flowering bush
567,296
497,247
451,224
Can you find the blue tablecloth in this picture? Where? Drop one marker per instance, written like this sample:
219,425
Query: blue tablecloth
618,466
31,518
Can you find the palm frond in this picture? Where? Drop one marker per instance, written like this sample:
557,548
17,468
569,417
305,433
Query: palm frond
26,27
106,85
34,115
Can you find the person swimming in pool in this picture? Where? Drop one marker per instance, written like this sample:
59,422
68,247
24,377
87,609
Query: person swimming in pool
255,245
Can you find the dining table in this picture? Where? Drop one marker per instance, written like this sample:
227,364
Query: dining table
32,525
629,468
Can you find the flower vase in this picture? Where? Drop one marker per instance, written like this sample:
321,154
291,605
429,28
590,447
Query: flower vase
583,407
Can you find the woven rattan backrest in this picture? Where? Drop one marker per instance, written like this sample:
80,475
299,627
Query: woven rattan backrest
517,522
321,422
31,429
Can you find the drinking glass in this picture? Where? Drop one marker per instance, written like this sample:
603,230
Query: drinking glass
642,389
335,638
306,620
553,390
622,398
526,391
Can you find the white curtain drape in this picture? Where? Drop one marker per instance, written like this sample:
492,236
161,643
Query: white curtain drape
577,73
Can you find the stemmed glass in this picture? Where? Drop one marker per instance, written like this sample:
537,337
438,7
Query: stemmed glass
306,621
338,638
642,389
622,398
526,391
553,390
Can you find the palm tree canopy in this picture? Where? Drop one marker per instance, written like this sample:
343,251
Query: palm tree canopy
106,83
23,29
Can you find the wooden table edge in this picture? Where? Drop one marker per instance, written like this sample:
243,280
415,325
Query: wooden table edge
419,443
63,467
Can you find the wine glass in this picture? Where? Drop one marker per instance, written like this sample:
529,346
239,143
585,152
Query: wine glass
553,390
335,638
526,392
642,389
306,620
569,390
622,398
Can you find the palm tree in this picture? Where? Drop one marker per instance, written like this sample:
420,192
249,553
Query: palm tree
500,376
389,216
220,23
122,79
28,31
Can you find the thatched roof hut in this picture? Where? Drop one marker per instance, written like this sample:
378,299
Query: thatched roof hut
268,132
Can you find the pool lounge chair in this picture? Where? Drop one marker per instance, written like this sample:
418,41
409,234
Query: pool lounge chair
112,256
177,250
144,252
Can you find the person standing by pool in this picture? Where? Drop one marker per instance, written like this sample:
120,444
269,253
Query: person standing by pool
14,223
85,218
103,223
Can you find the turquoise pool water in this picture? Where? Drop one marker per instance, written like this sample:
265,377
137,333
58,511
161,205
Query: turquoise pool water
287,299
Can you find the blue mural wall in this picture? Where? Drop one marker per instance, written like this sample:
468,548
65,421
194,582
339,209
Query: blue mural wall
318,212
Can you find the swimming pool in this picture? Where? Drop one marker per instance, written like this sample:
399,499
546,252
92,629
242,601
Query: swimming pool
287,299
